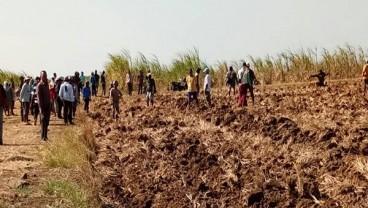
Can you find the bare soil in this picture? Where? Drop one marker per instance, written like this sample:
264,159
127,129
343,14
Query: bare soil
299,146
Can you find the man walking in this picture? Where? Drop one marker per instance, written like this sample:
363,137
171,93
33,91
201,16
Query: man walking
92,80
140,82
192,89
44,104
231,80
67,96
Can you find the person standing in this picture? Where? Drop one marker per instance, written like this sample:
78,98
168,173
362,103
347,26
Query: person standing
97,78
82,78
231,80
21,83
59,103
12,84
52,94
197,79
151,89
251,80
192,89
92,80
9,98
103,83
2,100
25,96
35,110
129,82
140,82
44,104
365,77
115,96
243,85
86,96
67,96
207,86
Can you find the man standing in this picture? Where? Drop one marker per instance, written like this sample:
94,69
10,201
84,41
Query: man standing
140,82
25,97
67,96
115,96
365,76
13,100
243,75
92,80
82,78
192,89
59,103
207,86
97,77
103,83
44,104
231,80
129,82
2,101
252,79
197,79
21,79
151,89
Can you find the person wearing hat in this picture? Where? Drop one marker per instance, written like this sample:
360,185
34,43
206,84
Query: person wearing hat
207,86
25,96
66,94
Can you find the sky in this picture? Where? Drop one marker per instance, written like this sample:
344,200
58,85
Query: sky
77,35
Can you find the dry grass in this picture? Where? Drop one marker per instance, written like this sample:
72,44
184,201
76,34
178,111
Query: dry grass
73,153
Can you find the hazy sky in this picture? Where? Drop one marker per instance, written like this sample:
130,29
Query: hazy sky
67,35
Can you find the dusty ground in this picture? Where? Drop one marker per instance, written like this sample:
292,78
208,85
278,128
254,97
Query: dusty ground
22,173
297,147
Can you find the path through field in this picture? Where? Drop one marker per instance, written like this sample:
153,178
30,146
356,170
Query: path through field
22,173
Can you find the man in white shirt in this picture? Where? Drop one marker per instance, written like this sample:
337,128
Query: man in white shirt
243,83
207,86
25,97
66,94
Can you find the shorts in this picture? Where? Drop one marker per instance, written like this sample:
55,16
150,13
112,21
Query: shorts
192,95
149,96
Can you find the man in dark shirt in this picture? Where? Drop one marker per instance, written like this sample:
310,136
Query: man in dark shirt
44,103
59,102
97,77
21,79
321,78
103,83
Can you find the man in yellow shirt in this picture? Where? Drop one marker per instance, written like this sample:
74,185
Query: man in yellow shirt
192,89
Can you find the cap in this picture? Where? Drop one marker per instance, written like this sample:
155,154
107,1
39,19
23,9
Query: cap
27,78
206,69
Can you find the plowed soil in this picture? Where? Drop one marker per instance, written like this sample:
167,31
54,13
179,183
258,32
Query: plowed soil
299,146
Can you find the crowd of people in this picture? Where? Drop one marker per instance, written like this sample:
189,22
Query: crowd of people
59,96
